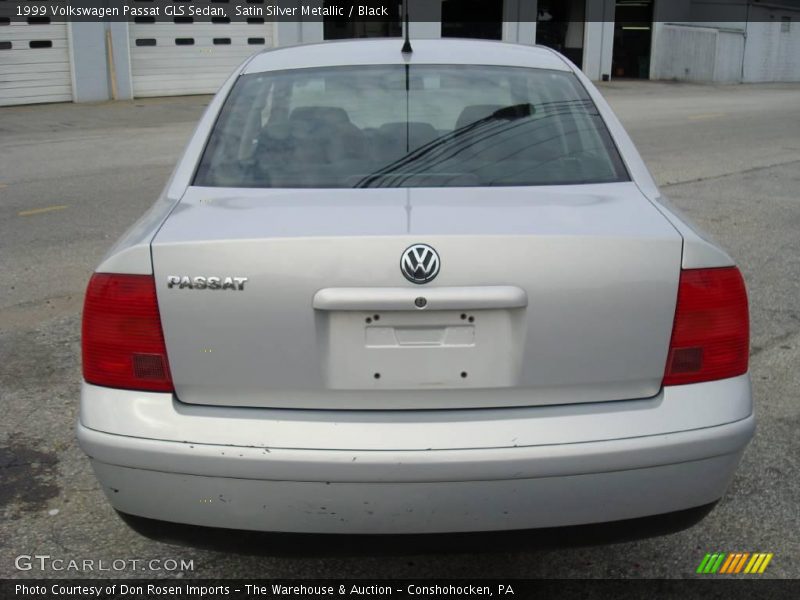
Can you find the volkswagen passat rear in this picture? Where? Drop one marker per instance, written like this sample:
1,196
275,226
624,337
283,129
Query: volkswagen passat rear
426,292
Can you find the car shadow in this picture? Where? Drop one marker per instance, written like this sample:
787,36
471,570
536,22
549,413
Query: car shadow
256,543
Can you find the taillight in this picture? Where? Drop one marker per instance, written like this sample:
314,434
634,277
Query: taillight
122,341
711,333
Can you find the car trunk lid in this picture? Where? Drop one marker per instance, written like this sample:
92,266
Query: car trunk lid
545,295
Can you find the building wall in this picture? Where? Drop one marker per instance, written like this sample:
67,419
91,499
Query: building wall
765,48
598,39
92,44
684,53
35,63
90,69
700,54
759,47
729,57
772,53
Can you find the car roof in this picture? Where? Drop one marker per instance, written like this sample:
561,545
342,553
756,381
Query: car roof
388,51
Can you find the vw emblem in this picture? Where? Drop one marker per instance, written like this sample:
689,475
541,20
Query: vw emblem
420,264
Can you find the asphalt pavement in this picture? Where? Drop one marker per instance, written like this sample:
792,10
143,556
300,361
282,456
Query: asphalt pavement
74,177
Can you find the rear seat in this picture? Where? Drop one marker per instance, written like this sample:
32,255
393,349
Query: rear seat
324,137
325,134
536,139
391,138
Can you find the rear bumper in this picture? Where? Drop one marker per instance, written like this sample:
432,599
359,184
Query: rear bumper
413,506
413,490
238,541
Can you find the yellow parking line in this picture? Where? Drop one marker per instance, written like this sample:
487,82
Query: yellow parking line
39,211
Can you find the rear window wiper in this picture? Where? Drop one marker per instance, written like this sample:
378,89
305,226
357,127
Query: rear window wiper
507,114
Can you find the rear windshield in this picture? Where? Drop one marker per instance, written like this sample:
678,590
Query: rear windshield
409,126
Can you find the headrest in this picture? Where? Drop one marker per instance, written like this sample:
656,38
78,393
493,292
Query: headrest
420,133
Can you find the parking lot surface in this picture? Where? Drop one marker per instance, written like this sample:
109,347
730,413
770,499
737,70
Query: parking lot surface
74,177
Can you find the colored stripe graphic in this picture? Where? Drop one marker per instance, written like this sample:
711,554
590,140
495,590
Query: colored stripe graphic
703,563
728,563
741,562
754,563
718,564
764,564
714,562
734,563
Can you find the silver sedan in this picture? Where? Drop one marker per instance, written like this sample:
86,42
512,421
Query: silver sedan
393,292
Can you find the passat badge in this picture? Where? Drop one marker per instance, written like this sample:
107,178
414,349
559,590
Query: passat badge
206,283
420,264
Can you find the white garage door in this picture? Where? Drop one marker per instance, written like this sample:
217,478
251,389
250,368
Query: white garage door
34,62
187,57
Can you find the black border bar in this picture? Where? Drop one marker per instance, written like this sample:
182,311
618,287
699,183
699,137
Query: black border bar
401,589
218,11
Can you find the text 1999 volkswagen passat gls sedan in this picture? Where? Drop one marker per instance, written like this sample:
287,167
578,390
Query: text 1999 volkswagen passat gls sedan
391,292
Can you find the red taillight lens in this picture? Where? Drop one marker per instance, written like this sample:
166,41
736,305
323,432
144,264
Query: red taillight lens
711,333
123,345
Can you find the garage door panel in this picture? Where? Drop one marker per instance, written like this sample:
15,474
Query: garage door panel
176,90
210,76
198,78
34,57
49,67
35,63
38,99
200,63
198,26
160,66
16,34
42,78
205,43
45,93
156,89
55,49
195,52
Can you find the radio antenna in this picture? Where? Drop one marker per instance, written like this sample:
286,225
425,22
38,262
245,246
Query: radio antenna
407,49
